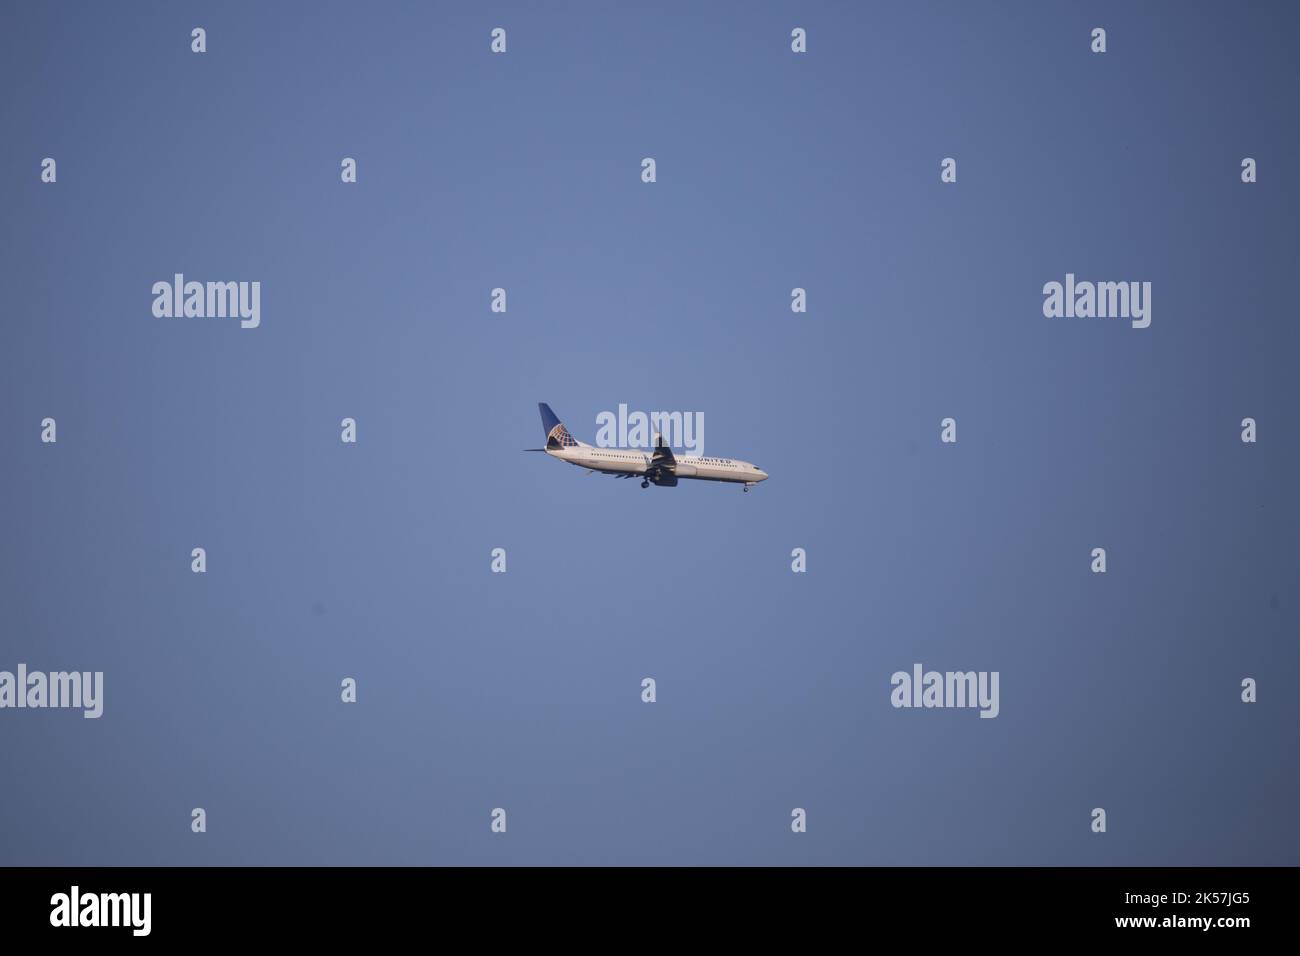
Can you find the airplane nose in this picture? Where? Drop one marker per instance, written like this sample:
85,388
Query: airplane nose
762,475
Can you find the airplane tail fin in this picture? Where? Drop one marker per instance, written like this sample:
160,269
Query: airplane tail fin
557,436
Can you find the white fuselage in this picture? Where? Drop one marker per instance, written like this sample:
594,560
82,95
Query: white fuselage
634,461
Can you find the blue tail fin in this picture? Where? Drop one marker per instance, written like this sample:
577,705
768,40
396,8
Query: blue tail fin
557,436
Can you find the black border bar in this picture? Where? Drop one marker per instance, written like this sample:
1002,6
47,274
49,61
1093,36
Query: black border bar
540,904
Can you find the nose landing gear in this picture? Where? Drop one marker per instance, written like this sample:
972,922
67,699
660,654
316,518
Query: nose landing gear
644,483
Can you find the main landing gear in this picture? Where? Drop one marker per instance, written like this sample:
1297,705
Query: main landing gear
644,483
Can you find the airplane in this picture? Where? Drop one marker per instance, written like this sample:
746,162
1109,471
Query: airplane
659,466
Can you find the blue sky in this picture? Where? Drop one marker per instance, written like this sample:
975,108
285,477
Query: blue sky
522,690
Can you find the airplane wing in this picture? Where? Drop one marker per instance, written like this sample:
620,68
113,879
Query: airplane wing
663,465
663,457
